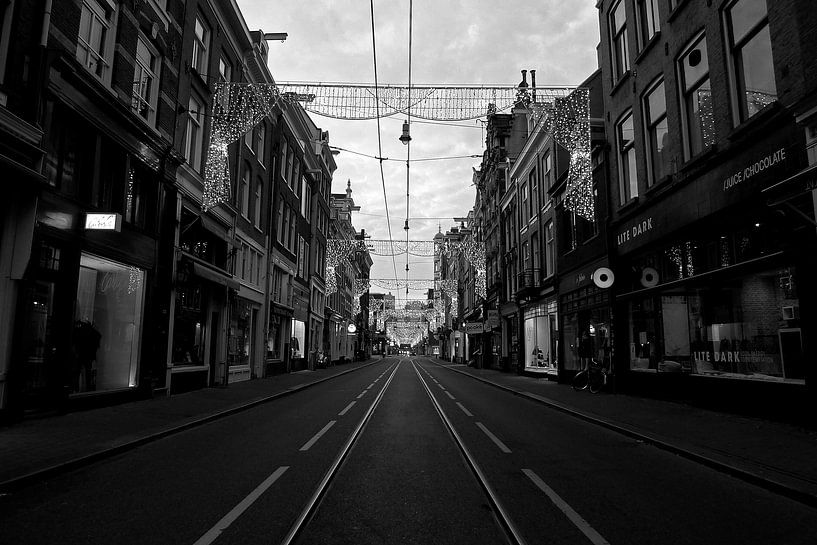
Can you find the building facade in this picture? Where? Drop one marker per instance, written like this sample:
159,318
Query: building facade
714,245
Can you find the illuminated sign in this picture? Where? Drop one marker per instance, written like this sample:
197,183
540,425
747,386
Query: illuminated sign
103,222
352,328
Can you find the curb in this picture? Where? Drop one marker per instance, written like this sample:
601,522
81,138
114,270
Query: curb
771,485
16,483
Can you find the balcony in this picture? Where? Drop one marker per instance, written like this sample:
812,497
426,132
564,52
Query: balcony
528,282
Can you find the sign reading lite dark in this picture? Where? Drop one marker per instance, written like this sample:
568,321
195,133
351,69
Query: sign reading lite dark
103,222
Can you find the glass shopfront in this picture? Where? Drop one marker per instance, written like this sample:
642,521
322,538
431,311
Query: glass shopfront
744,327
107,325
586,330
541,338
296,343
241,328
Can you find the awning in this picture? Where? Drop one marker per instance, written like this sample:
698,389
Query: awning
808,177
215,276
215,227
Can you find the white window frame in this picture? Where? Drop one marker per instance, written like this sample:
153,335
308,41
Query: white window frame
97,58
200,57
259,185
683,95
650,124
619,51
622,151
145,99
194,143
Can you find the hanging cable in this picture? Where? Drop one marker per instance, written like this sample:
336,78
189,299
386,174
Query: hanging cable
408,141
379,143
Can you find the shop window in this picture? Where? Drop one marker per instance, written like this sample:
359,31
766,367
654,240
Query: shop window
696,96
296,342
625,144
541,338
657,133
108,325
239,347
190,319
96,38
743,327
139,197
618,40
274,338
750,47
145,81
648,21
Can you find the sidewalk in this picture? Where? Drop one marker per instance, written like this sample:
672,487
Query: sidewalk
37,448
777,456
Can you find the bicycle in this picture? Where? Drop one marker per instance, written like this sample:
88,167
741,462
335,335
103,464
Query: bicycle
594,377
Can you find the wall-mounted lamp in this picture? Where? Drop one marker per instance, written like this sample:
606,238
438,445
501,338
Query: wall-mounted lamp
282,36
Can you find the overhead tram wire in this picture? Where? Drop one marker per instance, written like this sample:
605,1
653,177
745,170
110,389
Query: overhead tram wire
379,142
408,143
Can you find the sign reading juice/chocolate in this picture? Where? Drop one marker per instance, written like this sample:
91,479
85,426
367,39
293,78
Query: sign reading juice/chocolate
768,162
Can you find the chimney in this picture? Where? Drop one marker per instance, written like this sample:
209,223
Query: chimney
533,85
524,82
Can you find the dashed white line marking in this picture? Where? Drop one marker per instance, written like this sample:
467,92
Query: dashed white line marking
317,436
346,410
494,438
441,387
370,385
571,514
466,411
363,393
242,506
449,394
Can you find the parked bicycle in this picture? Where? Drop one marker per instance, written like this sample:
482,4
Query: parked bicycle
594,376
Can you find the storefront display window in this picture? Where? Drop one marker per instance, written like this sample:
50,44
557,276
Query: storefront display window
541,338
274,338
188,325
241,326
107,325
745,327
587,333
296,343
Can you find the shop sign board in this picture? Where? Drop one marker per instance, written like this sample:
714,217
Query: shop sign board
493,319
472,328
103,222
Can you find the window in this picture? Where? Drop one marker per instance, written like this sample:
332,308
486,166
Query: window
225,75
548,166
618,38
260,142
201,41
284,158
285,232
249,138
259,184
194,138
95,39
751,50
245,192
550,249
533,193
288,174
655,119
696,92
145,82
628,179
306,202
648,22
278,236
524,210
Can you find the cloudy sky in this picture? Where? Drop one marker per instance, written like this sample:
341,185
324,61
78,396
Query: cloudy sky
453,42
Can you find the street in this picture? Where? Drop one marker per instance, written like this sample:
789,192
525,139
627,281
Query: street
402,451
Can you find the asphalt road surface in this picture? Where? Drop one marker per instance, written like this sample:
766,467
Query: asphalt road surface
403,451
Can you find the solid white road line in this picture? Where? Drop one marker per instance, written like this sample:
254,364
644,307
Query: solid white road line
449,394
574,517
317,436
242,506
466,411
494,438
346,410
